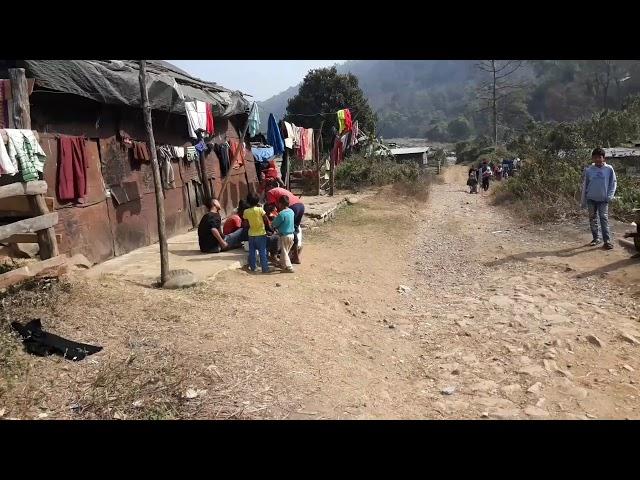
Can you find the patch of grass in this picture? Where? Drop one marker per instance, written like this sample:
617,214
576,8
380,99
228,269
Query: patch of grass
145,387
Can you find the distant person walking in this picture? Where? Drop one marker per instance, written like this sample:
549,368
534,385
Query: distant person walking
598,188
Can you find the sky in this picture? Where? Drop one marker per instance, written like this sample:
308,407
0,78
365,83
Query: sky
260,78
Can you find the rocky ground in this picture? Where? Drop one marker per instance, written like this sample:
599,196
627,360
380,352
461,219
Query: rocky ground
401,309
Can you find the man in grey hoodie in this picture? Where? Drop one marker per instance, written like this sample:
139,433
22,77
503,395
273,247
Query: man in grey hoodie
598,188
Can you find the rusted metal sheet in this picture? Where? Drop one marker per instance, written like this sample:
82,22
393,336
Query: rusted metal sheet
95,185
86,230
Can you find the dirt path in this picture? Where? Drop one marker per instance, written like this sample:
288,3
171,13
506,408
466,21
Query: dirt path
494,323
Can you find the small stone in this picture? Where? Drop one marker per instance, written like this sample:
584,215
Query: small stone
455,372
278,284
535,388
593,340
180,279
391,325
190,393
2,412
588,415
137,404
403,289
448,390
484,414
627,337
510,389
536,412
347,303
628,367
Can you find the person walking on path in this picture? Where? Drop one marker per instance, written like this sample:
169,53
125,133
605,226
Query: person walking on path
598,188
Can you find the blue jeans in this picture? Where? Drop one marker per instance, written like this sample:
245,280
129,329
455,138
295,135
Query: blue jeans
234,239
599,210
260,244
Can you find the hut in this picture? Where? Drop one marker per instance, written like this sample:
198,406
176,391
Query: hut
100,99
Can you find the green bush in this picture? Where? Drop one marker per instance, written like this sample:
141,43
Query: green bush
555,156
357,171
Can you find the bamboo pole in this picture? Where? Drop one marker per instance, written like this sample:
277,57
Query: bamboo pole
157,183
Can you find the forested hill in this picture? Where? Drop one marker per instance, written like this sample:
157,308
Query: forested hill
438,99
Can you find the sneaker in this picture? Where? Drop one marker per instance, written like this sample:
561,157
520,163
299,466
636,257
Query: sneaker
594,243
608,246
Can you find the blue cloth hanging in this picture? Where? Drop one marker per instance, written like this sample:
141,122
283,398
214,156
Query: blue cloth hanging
274,137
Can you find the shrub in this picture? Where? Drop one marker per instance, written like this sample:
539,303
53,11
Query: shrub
357,171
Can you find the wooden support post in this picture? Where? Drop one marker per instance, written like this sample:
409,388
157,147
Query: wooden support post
21,117
46,238
157,182
332,168
21,113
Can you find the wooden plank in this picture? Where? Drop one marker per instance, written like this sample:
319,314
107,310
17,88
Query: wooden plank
29,225
29,271
46,237
27,238
38,187
21,204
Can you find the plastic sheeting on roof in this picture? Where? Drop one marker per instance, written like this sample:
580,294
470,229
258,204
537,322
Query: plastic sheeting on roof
116,83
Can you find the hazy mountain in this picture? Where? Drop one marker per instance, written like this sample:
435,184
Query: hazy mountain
394,86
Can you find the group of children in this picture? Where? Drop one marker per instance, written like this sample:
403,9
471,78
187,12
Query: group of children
483,174
259,222
268,230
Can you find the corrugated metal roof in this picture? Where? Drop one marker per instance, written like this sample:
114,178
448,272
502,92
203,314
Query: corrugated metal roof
407,151
621,152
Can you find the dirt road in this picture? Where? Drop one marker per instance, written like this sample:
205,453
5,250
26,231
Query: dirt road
450,309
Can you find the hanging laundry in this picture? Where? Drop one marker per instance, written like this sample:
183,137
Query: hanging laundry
177,152
308,149
210,122
141,152
165,155
297,132
7,166
25,153
344,120
201,146
192,154
337,152
222,152
125,138
288,142
254,120
341,123
38,342
263,153
72,169
196,117
302,145
347,120
344,139
355,132
237,153
274,137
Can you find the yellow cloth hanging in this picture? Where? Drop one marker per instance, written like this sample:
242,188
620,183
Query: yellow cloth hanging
341,121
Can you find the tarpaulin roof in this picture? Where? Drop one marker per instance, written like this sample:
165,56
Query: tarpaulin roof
116,82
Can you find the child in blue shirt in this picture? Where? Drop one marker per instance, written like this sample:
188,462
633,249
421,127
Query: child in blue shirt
283,223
